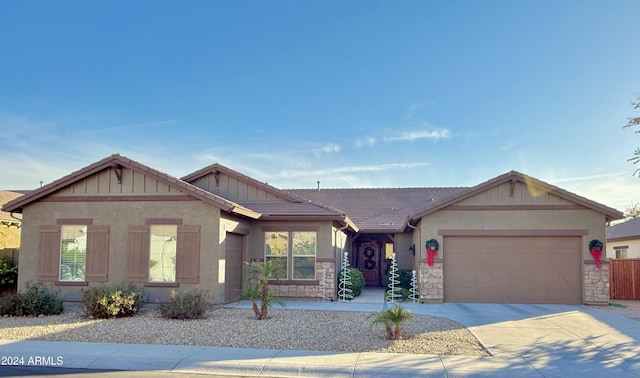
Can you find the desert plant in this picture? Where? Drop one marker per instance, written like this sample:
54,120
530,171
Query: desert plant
113,301
261,272
8,272
191,305
38,300
392,320
356,280
10,305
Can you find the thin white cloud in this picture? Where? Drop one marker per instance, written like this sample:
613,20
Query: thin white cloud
588,178
421,134
327,149
367,141
154,124
353,169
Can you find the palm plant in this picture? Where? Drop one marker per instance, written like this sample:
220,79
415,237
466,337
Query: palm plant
262,272
392,319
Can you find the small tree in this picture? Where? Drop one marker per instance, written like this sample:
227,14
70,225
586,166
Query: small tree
635,122
392,320
261,272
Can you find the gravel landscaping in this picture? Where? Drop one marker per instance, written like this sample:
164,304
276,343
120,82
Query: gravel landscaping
285,329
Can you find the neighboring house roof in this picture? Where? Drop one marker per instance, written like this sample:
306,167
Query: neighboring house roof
7,217
625,230
378,210
533,184
116,160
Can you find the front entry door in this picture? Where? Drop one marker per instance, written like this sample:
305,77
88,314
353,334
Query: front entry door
369,263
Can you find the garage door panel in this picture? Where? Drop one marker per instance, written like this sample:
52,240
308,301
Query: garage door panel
512,269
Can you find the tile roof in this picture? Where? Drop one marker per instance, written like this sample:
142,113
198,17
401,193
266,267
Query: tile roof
378,209
625,230
115,160
6,196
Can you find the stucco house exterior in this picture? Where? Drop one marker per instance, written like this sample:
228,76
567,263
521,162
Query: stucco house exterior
9,225
511,239
623,240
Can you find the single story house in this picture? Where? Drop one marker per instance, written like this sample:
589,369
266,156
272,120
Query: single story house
9,225
623,240
511,239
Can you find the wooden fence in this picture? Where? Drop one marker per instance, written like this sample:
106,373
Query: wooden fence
624,279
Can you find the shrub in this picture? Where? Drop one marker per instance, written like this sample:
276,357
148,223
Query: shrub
39,299
191,305
392,320
10,305
357,281
113,301
8,272
406,294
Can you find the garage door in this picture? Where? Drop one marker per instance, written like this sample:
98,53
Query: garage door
498,269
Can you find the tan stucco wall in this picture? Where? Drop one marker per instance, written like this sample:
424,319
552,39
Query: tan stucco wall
9,235
589,220
633,252
119,215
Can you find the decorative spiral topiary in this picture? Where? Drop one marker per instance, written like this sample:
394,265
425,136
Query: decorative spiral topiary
414,288
394,293
345,293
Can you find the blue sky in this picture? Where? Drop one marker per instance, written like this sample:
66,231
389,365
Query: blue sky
349,93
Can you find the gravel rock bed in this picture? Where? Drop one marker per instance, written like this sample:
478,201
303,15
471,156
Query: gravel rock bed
285,329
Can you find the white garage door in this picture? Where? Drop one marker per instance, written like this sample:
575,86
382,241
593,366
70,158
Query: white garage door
498,269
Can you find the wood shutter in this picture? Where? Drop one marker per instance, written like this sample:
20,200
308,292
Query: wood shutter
97,253
138,253
188,254
48,265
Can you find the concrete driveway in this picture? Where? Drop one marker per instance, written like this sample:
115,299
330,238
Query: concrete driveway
557,340
530,339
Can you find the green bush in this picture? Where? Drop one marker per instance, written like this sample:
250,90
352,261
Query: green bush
405,278
113,301
192,305
10,305
357,281
8,272
406,294
37,300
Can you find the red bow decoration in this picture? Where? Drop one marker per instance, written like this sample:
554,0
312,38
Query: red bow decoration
431,255
596,255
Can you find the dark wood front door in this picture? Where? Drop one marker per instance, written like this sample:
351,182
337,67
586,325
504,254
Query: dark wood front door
369,263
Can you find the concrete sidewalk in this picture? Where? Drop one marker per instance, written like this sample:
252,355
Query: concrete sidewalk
525,340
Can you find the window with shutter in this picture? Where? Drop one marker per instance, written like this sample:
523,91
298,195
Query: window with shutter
48,253
188,254
97,253
138,253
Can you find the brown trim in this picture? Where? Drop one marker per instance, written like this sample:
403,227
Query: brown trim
125,198
515,207
154,221
290,228
633,237
71,283
294,282
435,261
74,221
537,232
329,260
602,262
162,284
621,247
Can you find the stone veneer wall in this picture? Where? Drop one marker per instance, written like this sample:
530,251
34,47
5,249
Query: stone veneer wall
596,283
431,282
310,291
